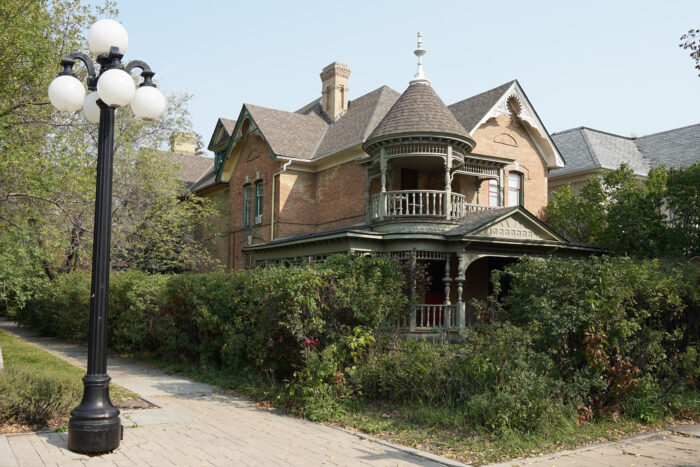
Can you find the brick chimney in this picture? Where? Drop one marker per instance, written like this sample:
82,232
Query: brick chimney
334,89
183,143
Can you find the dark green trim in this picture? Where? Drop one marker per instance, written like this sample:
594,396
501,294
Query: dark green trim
244,114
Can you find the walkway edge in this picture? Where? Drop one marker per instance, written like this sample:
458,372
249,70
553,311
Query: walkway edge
588,447
414,452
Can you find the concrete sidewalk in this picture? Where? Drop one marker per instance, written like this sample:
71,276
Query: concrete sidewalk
196,426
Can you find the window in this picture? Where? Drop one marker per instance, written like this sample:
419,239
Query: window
515,189
247,202
493,192
258,202
218,159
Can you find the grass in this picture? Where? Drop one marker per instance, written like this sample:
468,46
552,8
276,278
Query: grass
21,356
423,427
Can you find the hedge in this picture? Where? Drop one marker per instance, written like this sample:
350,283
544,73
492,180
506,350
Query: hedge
262,318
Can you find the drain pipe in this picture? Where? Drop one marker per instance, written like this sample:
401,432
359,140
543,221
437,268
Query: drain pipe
272,212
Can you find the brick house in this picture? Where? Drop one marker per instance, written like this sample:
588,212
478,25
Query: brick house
464,186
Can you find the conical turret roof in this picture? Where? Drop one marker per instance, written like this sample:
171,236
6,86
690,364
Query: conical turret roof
419,110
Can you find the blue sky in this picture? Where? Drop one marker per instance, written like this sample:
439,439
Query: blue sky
610,65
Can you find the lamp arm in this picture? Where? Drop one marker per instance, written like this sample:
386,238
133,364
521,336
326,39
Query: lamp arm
68,62
146,71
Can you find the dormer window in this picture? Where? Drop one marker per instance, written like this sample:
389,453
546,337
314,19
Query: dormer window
218,158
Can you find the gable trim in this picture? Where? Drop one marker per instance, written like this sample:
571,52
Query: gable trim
530,120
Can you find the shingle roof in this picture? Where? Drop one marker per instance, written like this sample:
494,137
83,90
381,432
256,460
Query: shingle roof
476,219
586,149
189,168
418,110
679,147
229,125
205,181
288,133
362,116
470,111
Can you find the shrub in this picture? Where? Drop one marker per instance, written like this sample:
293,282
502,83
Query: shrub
493,378
31,399
607,322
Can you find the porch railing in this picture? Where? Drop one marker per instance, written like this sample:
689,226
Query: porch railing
468,207
430,317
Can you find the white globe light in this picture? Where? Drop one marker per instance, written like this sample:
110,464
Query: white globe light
148,103
116,87
90,109
66,93
107,33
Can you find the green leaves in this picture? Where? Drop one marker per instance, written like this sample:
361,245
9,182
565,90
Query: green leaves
620,213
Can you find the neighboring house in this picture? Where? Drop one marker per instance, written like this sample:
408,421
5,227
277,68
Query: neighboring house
589,152
463,186
183,155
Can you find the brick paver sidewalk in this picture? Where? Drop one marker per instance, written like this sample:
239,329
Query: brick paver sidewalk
196,426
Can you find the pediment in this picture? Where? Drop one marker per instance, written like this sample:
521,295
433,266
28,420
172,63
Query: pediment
517,226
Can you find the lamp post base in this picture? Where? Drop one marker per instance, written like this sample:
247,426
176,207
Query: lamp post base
94,425
94,436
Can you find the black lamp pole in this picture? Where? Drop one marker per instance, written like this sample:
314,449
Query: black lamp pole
94,425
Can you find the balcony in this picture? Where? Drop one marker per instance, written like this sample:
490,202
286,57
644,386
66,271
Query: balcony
421,203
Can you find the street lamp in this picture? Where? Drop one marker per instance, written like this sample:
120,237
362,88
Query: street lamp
94,425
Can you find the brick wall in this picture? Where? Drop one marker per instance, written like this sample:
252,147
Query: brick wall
296,203
340,196
504,136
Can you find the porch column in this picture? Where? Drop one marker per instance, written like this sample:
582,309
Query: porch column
448,185
412,318
446,280
461,310
382,190
501,197
478,189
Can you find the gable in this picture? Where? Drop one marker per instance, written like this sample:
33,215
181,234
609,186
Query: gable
221,135
516,224
514,102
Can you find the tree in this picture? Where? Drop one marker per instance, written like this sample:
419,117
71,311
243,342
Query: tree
683,201
656,217
691,42
47,162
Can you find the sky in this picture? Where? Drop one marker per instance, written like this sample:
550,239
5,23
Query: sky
610,65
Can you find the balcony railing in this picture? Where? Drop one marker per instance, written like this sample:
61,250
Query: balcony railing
421,203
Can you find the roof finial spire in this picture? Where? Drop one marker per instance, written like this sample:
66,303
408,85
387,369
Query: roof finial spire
419,52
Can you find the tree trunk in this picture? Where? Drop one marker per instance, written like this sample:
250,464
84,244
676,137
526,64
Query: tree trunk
2,365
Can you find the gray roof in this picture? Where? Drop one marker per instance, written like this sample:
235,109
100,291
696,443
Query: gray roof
470,111
289,134
418,110
355,125
673,148
587,149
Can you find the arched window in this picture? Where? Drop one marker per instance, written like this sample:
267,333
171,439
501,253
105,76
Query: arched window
247,204
515,189
493,192
258,202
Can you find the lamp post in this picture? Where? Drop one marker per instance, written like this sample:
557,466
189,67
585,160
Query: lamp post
94,425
